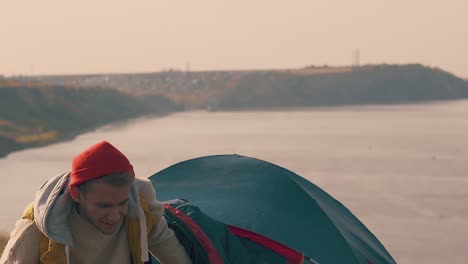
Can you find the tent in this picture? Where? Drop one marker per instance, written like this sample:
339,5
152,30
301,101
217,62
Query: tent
272,202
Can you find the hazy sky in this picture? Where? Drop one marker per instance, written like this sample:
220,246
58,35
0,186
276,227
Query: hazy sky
103,36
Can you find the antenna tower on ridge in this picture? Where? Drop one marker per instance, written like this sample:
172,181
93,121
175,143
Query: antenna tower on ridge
355,61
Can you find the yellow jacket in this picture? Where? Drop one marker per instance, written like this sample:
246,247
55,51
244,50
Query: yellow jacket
52,252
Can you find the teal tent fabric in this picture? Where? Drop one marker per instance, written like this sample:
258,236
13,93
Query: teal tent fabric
272,201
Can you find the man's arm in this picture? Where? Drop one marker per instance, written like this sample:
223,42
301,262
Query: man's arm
162,242
23,246
164,245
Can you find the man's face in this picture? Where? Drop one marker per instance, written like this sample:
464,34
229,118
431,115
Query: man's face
104,206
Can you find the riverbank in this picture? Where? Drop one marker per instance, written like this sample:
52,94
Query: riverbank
36,115
72,135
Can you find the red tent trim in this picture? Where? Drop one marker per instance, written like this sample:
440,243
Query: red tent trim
292,256
213,254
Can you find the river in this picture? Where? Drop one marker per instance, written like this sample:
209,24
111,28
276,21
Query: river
401,169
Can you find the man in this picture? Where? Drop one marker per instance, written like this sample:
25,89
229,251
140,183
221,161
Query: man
97,213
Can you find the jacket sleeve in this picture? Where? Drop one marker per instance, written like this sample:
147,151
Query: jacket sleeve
23,245
162,242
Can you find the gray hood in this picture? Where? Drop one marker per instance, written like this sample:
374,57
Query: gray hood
53,205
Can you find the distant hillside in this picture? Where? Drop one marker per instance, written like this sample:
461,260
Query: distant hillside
310,86
33,114
193,90
384,84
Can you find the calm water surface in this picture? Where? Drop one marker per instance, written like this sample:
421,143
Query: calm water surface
402,170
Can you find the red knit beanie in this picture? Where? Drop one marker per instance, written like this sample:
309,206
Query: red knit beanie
97,161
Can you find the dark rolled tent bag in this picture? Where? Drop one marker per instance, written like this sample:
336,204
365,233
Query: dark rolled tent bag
207,240
252,211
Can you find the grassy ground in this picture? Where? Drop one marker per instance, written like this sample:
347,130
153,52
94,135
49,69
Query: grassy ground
3,242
